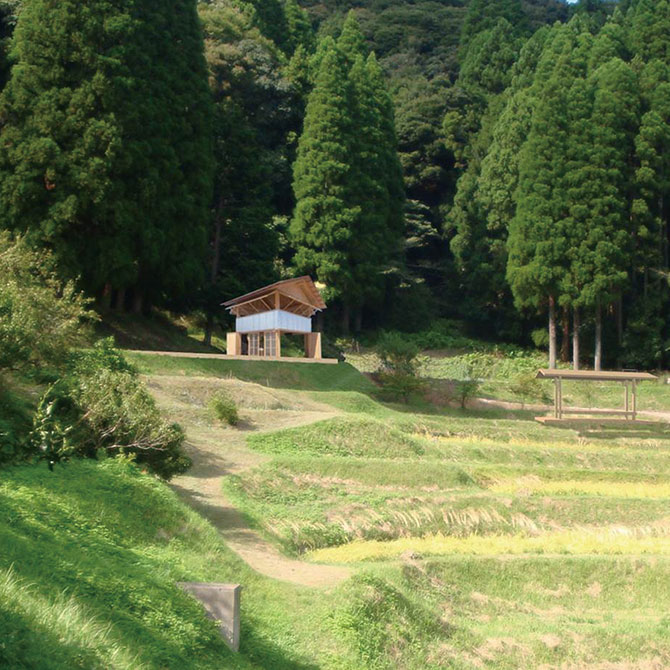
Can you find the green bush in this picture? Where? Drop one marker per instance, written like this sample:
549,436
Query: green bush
399,386
15,421
224,408
398,374
397,353
102,404
41,318
528,387
466,389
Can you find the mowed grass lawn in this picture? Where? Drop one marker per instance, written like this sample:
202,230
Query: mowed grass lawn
481,539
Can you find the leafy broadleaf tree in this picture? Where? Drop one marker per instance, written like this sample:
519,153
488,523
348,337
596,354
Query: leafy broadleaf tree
255,109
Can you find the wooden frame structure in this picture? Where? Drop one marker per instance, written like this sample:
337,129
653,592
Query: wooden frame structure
628,379
262,316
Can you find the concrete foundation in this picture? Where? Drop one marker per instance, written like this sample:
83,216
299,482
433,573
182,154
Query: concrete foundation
221,603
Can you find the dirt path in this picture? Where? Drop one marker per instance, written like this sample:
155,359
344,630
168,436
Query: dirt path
217,452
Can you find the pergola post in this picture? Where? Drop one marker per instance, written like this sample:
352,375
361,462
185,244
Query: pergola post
627,400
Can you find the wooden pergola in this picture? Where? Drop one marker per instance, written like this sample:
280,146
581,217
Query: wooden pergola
262,316
628,379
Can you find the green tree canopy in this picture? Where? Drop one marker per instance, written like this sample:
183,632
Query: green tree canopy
105,153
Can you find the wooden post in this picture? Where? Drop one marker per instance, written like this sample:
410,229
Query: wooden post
634,400
233,344
560,399
626,401
556,398
278,338
313,345
575,339
552,332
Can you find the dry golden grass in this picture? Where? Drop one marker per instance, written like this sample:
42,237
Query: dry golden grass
536,486
577,542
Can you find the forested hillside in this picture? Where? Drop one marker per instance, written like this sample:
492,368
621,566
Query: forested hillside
496,162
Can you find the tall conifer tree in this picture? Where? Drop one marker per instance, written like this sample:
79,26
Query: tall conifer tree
538,242
105,153
348,221
323,225
599,209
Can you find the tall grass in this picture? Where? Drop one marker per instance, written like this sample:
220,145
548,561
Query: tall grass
580,542
536,486
73,636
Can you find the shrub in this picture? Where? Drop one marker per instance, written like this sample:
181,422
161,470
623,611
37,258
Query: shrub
398,354
15,421
41,318
103,405
224,408
398,375
528,387
466,389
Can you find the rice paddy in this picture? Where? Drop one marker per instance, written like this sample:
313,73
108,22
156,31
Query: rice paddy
514,545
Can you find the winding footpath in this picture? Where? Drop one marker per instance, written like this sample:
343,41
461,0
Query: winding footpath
219,452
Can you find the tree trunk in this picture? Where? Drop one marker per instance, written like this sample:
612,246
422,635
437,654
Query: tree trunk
552,332
598,357
209,327
575,339
345,319
138,301
358,320
565,338
106,297
120,302
214,270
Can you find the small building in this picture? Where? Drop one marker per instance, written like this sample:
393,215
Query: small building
262,316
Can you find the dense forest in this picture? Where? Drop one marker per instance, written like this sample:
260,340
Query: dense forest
502,163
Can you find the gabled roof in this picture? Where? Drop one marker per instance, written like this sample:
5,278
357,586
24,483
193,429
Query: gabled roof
303,284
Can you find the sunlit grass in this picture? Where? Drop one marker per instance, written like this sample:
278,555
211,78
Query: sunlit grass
65,619
536,486
611,541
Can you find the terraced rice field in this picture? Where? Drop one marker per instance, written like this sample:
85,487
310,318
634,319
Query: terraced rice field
521,546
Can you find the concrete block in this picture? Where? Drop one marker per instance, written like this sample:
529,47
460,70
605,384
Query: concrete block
221,603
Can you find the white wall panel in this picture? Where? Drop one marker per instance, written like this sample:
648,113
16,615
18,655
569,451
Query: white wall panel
277,319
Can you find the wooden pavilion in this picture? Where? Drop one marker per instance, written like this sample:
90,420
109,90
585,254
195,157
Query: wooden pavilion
628,379
262,316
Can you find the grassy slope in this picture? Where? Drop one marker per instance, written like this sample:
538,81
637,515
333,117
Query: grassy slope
298,376
91,553
89,560
159,332
500,375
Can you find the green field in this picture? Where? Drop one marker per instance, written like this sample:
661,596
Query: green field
477,539
501,375
515,544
